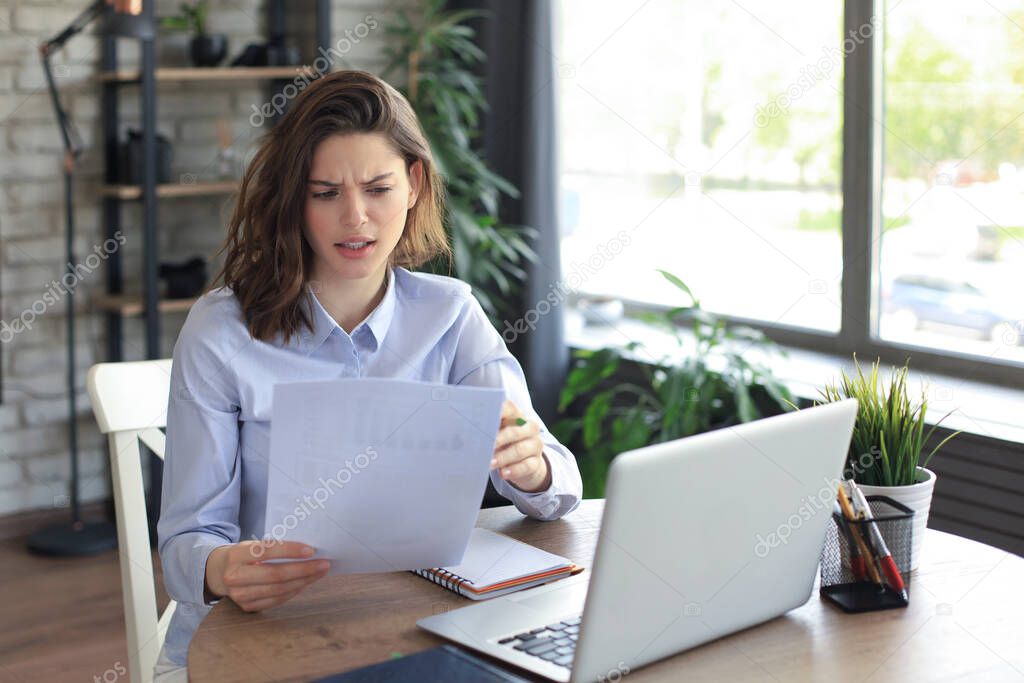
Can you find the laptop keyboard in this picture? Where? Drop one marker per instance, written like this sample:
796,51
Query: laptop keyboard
555,643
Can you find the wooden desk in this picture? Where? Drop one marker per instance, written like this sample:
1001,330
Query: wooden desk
965,622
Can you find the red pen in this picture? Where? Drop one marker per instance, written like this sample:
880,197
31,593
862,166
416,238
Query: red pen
885,561
860,539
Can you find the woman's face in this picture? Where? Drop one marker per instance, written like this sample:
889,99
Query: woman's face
358,195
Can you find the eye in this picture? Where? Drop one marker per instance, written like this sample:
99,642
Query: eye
326,194
380,190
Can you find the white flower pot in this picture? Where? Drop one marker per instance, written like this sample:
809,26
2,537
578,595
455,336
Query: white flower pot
917,497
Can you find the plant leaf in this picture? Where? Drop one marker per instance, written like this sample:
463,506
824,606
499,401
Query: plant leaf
680,285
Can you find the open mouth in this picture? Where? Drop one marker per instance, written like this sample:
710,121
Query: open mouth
355,246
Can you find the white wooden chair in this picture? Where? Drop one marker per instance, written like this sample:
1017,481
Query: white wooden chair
130,403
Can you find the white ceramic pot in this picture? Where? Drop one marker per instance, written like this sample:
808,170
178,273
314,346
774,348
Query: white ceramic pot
603,311
917,497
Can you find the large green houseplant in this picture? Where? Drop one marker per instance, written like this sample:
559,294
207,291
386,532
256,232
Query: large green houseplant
887,452
712,386
435,53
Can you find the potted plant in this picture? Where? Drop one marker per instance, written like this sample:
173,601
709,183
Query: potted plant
205,49
715,384
436,65
889,437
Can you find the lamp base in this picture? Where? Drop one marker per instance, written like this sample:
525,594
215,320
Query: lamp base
74,539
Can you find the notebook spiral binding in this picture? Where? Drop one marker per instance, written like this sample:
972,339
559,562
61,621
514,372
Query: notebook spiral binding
443,577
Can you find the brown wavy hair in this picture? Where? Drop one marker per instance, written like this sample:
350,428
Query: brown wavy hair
268,261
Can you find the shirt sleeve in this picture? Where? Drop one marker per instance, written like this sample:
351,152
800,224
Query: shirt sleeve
202,470
483,360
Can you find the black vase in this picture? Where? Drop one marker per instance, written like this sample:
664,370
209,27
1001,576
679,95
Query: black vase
184,280
208,49
130,159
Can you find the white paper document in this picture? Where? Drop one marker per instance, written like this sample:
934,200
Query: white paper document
379,474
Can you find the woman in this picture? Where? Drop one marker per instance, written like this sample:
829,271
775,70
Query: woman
341,198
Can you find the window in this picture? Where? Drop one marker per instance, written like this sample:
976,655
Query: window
951,270
710,133
706,139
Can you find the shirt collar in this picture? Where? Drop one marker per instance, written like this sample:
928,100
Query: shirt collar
378,322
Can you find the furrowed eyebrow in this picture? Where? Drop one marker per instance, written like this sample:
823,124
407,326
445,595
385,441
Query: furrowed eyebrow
371,181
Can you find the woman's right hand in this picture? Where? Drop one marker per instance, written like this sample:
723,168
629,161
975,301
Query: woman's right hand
240,572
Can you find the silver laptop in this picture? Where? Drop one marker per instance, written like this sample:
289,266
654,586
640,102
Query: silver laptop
701,537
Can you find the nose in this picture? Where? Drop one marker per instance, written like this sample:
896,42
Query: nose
353,210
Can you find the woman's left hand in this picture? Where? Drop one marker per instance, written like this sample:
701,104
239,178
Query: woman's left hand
519,452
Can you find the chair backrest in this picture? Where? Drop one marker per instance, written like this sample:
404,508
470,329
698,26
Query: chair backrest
130,404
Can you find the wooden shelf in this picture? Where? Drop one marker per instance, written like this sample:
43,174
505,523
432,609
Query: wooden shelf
226,73
131,304
173,189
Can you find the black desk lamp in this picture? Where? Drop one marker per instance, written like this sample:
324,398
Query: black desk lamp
79,537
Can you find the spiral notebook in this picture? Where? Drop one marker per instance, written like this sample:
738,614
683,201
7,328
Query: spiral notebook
495,564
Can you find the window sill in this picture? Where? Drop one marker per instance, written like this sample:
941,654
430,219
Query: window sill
979,408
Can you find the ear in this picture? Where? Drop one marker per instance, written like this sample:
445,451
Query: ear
415,181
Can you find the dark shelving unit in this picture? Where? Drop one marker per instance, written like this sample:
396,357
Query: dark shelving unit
147,77
115,303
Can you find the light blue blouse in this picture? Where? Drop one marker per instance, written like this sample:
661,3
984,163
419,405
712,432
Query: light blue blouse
427,328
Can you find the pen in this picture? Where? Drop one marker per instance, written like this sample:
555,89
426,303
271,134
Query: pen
888,565
519,423
865,551
856,560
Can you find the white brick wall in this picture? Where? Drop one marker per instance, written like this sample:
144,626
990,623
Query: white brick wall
41,19
33,415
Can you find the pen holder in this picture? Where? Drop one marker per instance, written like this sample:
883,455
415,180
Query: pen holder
838,581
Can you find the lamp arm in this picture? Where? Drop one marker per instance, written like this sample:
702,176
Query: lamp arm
69,134
76,26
